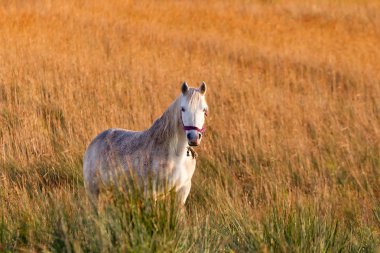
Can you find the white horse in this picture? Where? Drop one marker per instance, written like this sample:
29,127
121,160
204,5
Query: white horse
160,154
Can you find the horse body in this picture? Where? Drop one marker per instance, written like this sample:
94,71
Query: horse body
158,154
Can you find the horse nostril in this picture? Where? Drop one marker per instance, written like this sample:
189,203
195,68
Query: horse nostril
188,136
200,135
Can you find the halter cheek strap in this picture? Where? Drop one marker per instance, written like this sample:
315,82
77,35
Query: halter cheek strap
201,130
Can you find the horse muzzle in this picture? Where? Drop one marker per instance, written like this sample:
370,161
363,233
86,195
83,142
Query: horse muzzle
194,138
193,143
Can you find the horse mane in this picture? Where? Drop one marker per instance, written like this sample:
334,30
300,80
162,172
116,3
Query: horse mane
165,128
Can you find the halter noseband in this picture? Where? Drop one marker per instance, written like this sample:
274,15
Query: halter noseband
201,130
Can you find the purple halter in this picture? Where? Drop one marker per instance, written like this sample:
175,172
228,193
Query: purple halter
201,130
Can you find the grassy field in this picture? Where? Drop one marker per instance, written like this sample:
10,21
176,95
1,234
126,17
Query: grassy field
291,158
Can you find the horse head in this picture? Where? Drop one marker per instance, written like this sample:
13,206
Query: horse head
193,112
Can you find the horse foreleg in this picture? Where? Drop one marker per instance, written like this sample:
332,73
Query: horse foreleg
183,192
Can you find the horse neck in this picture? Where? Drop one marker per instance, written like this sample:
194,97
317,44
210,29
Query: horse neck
167,131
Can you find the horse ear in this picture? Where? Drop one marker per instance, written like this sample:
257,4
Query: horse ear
184,88
202,88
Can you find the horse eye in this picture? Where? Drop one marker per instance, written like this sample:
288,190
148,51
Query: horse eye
182,109
205,111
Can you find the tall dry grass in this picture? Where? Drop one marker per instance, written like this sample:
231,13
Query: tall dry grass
291,159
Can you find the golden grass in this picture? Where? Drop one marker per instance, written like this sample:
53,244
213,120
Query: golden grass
294,90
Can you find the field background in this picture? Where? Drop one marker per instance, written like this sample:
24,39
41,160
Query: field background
291,158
